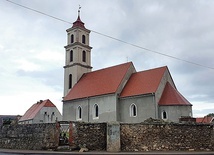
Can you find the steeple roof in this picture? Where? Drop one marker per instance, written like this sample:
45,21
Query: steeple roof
78,22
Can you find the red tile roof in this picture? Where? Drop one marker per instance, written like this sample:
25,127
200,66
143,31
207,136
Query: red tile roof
205,119
143,82
171,96
35,108
100,82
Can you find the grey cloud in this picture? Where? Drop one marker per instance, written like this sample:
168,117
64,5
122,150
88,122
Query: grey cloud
51,78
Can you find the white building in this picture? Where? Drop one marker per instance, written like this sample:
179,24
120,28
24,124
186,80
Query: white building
41,112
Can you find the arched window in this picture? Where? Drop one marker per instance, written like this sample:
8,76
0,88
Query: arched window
133,110
83,56
71,56
52,116
164,115
79,113
83,39
96,111
70,81
72,38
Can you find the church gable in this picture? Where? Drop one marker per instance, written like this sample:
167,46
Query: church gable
100,82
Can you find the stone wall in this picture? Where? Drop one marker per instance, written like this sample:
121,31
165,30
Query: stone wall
29,137
164,137
145,136
89,135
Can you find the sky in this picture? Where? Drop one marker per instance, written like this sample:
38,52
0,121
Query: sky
32,53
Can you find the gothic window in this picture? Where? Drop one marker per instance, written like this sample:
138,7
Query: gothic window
83,56
133,110
96,111
164,115
79,113
70,81
71,56
72,38
83,39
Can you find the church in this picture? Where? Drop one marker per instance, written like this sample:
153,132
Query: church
117,93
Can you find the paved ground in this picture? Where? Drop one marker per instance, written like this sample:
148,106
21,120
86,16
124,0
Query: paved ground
30,152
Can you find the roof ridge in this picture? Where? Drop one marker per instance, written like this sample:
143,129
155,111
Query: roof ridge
152,69
110,67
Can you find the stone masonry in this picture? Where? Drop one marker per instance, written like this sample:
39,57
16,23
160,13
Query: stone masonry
146,136
165,137
89,135
29,137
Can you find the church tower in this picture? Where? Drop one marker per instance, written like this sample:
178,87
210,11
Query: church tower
78,54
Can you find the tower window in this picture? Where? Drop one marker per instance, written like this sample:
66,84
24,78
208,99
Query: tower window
164,115
70,81
83,39
79,113
71,56
72,38
133,110
83,56
96,111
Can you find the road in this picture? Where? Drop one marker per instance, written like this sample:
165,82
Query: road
33,152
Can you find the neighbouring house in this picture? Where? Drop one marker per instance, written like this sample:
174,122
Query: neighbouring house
117,93
8,119
41,112
205,119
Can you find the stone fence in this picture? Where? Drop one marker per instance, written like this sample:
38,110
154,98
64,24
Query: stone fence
29,137
89,135
165,137
111,136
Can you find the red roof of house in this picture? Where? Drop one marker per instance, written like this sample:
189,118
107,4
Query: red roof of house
35,108
143,82
171,96
100,82
205,119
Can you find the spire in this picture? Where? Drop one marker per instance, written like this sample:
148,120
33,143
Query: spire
79,11
78,22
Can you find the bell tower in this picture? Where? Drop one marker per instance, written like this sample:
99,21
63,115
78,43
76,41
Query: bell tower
77,54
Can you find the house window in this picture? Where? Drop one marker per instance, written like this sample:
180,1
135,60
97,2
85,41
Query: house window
70,81
164,115
72,38
96,111
71,56
83,56
79,113
83,39
133,110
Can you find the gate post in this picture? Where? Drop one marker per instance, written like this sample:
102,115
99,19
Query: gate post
113,136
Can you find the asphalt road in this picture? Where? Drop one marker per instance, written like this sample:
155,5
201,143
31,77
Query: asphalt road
32,152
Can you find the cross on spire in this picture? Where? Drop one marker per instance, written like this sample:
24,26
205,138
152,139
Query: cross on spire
79,10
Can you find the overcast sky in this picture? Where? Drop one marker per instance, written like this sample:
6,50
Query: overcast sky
32,50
